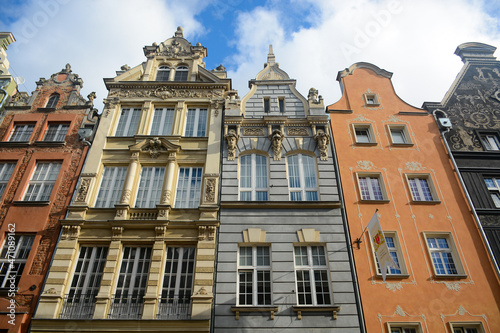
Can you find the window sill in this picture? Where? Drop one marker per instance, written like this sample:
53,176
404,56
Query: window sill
311,308
366,144
394,276
424,202
450,276
14,144
402,144
31,203
238,309
50,143
375,201
46,109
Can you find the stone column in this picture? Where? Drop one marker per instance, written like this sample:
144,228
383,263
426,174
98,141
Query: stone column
166,198
124,205
155,273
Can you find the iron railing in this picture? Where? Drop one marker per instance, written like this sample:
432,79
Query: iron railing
174,308
78,307
129,307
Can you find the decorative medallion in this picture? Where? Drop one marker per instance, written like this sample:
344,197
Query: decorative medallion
365,165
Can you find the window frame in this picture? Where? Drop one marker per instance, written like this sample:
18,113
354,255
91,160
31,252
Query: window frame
489,140
372,175
303,189
405,135
255,269
181,72
6,170
183,200
128,123
166,119
43,183
462,326
281,104
163,69
253,189
370,134
493,191
402,326
399,256
114,191
421,192
28,127
52,101
150,188
194,130
266,104
58,132
21,243
452,249
371,97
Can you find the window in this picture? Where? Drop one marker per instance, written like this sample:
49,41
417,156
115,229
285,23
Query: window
196,123
281,104
490,141
253,178
371,187
181,73
162,122
267,104
493,185
111,186
52,102
443,254
131,286
421,188
6,170
467,327
399,135
150,187
391,240
175,300
15,248
42,181
129,120
404,328
80,302
188,188
254,276
311,272
163,73
56,132
21,132
364,134
371,99
302,178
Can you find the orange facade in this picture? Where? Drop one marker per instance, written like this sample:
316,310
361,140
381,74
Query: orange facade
41,157
391,158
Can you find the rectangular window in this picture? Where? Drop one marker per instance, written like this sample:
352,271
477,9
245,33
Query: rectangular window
42,181
56,132
302,180
493,185
399,135
443,254
15,248
267,104
371,99
392,242
131,286
404,328
21,132
371,187
188,188
150,186
421,188
80,302
490,141
467,327
6,170
128,123
253,178
175,301
196,123
363,134
163,121
111,186
254,276
281,104
311,272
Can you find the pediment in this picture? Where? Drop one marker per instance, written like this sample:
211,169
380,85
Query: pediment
209,77
155,146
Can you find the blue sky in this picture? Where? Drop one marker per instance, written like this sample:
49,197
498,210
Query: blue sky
312,39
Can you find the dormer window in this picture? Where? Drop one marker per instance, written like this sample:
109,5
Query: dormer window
52,102
163,73
181,73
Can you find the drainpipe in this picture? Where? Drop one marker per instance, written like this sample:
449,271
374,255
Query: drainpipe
467,196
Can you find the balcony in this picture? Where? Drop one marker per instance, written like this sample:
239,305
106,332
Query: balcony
174,308
78,307
126,307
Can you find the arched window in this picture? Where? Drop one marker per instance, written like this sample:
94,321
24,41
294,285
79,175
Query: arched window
52,102
253,178
163,73
302,181
181,73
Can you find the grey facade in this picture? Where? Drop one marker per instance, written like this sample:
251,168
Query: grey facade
472,105
285,131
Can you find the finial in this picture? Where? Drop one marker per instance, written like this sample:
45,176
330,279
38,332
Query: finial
270,57
66,69
179,33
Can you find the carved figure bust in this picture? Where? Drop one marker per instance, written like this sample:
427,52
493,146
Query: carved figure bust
232,142
276,142
323,140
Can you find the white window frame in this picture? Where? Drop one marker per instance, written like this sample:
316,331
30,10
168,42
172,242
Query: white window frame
439,254
163,69
110,190
404,327
21,132
467,327
372,179
150,187
360,139
163,122
257,273
405,135
181,73
281,104
42,181
254,191
56,132
311,268
15,247
494,189
396,253
371,100
195,119
52,101
6,171
490,141
128,122
187,195
418,191
299,175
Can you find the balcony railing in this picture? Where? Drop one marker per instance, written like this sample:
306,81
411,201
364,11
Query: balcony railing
126,307
78,307
174,308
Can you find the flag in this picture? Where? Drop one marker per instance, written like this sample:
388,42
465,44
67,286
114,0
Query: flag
380,246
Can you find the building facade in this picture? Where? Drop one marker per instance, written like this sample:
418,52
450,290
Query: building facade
41,156
8,86
137,251
472,135
283,261
393,164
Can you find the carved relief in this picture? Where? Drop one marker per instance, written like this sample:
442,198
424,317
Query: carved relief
413,166
211,233
365,165
166,93
165,199
232,142
125,197
160,231
154,147
217,105
201,232
117,233
70,232
323,140
210,190
297,131
276,142
253,131
83,190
